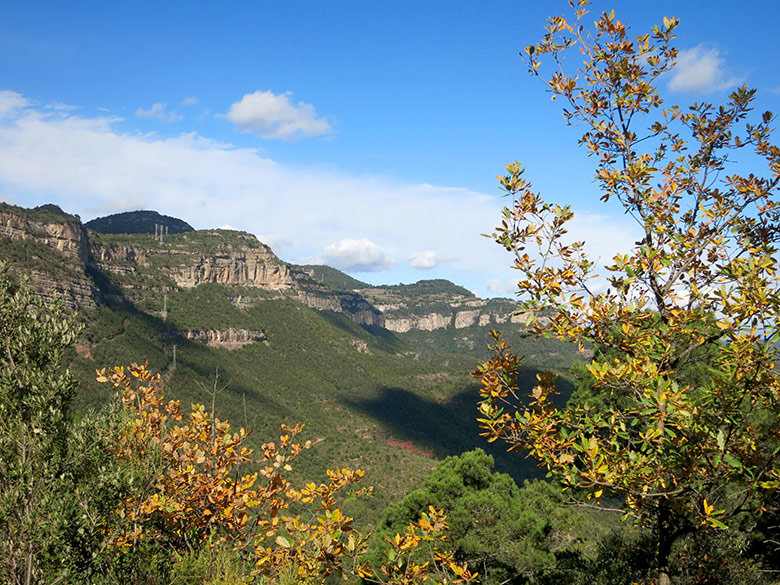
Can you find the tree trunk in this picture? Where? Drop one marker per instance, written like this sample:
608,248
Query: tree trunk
665,540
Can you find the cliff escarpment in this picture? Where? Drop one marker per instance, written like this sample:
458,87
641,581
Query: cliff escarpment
222,257
87,268
438,304
51,249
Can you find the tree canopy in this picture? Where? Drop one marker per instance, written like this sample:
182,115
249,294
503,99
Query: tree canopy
35,392
506,532
685,453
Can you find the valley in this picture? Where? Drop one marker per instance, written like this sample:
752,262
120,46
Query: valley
379,375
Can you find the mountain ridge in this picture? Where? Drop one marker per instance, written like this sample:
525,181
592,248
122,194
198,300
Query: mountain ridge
187,258
138,222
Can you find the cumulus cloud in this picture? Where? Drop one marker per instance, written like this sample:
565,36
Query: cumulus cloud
274,116
425,260
279,243
158,112
119,205
189,101
502,288
356,256
10,101
701,70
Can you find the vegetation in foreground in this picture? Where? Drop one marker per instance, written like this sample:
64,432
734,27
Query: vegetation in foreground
674,423
681,425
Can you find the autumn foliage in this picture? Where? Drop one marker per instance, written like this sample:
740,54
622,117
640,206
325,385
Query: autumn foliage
199,497
698,292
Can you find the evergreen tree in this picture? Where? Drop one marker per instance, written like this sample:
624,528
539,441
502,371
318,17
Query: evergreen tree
34,395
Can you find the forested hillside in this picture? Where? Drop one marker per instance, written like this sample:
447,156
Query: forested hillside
238,317
183,407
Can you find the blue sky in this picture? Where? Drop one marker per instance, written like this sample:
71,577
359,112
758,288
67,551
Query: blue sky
362,135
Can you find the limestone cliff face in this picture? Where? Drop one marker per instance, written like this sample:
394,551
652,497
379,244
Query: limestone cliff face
406,309
142,264
231,259
253,267
318,296
456,319
120,258
66,277
231,264
68,237
427,322
230,338
352,305
75,292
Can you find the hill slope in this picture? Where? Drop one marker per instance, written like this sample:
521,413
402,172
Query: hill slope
277,344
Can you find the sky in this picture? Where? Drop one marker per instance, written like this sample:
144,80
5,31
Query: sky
362,135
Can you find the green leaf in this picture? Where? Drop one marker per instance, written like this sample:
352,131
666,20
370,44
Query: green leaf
732,461
718,523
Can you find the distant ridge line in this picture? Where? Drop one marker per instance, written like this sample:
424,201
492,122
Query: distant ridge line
137,222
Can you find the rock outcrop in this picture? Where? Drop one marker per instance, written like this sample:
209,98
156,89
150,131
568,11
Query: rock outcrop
236,266
427,322
40,232
318,296
230,338
67,236
228,258
120,258
432,305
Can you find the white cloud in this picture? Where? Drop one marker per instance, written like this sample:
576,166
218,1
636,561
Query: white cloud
355,256
702,70
189,101
279,243
119,205
61,107
497,287
158,112
10,102
274,116
425,260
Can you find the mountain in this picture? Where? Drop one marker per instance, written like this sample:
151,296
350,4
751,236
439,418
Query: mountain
332,278
380,374
138,222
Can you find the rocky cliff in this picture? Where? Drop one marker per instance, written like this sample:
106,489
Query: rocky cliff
229,338
51,248
67,235
321,297
242,262
189,260
229,258
86,268
437,304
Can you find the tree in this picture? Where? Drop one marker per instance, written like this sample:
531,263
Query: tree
506,532
35,392
197,501
198,496
685,455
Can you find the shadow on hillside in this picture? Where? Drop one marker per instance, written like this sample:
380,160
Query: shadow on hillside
450,428
121,334
380,334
